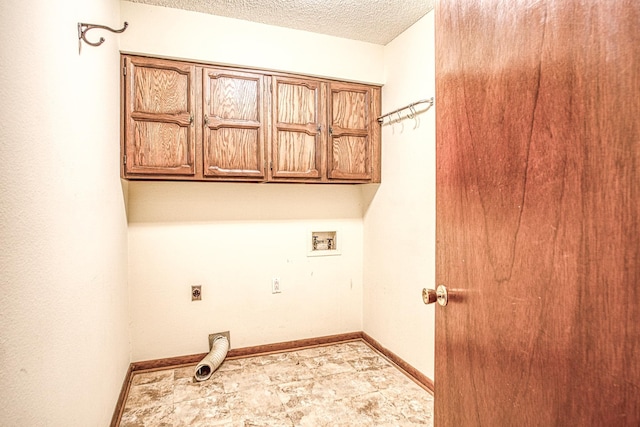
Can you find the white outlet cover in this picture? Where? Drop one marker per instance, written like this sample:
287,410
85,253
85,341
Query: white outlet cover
275,285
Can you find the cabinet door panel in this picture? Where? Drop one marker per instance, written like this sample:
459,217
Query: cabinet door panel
161,90
351,115
350,156
298,128
159,113
297,153
232,151
235,97
233,124
159,146
298,103
349,108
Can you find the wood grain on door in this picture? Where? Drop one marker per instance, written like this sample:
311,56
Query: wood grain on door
538,213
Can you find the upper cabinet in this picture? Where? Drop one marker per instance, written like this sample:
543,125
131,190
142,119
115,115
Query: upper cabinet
354,133
159,111
184,121
233,124
299,128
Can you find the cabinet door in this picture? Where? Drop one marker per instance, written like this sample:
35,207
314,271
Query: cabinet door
233,124
298,128
353,149
159,112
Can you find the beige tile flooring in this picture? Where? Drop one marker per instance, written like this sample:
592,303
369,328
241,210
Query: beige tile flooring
345,384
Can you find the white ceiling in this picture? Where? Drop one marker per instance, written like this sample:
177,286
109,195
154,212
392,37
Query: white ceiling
374,21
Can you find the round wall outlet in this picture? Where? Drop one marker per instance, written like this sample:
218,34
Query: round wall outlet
196,293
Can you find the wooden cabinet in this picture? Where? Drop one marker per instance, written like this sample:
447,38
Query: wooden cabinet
354,135
197,122
159,110
298,123
233,124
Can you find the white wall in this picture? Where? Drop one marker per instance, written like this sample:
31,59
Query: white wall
64,345
166,32
222,236
399,225
232,239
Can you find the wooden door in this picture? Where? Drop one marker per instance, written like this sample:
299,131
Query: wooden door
351,152
233,124
158,118
299,128
538,213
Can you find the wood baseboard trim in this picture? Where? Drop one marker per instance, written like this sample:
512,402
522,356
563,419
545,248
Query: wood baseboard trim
238,353
124,391
421,379
168,362
293,345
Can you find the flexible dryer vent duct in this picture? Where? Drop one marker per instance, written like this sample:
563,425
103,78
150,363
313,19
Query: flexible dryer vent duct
214,359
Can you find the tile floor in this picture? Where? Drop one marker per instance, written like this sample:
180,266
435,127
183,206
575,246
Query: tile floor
345,384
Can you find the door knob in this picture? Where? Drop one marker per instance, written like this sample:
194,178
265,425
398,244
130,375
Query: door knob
429,296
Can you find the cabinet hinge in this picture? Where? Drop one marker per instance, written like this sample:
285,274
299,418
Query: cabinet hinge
271,165
124,160
124,68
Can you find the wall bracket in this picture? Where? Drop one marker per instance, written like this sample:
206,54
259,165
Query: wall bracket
84,27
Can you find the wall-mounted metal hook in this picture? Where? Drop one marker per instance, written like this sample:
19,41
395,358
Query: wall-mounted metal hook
84,27
414,116
412,112
400,121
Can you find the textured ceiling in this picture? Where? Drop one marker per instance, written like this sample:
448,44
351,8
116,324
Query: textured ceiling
374,21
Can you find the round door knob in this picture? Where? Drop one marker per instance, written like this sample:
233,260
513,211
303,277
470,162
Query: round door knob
429,296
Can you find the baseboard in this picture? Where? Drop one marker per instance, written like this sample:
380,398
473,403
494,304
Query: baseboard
173,362
117,412
169,362
413,373
293,345
237,353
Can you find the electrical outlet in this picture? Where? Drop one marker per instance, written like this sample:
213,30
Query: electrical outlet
275,285
196,293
